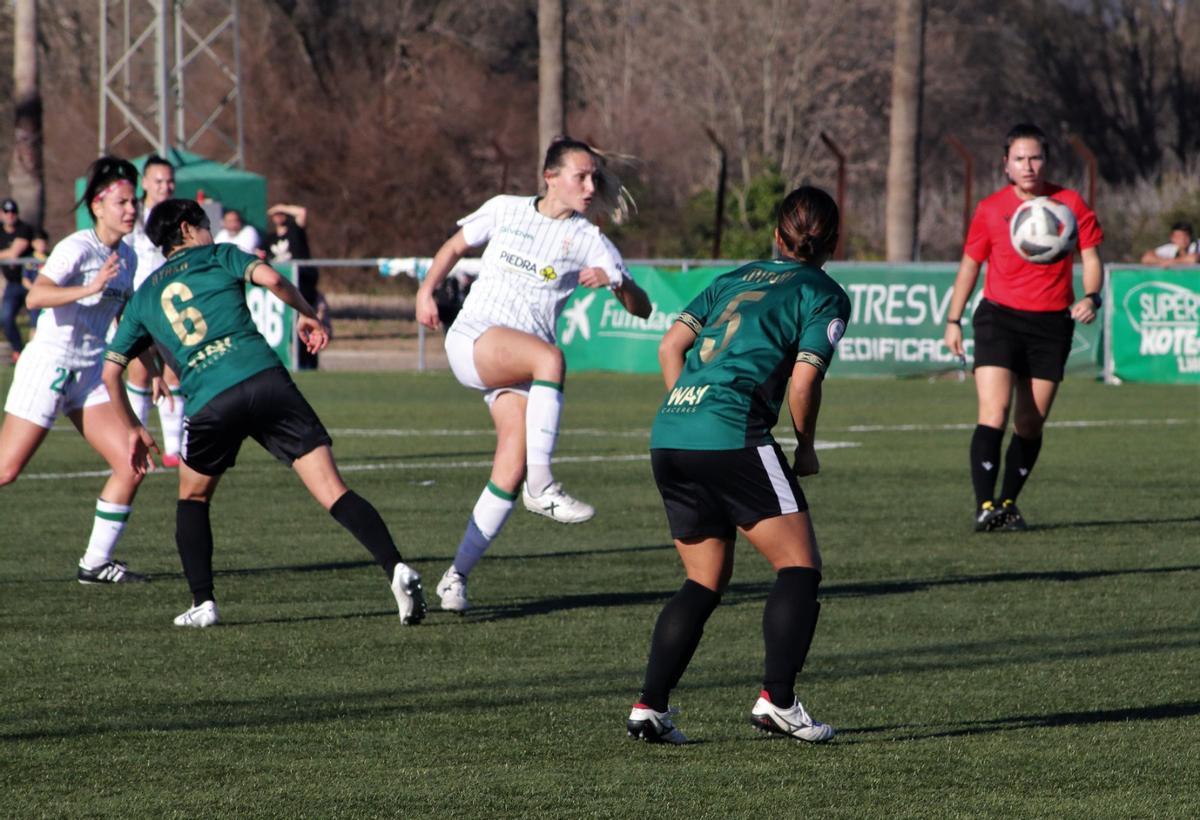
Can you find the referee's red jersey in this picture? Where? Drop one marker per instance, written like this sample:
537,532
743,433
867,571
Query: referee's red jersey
1010,280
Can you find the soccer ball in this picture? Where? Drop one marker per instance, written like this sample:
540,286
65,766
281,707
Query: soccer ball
1043,230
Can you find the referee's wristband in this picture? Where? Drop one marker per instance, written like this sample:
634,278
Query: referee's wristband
1097,301
954,322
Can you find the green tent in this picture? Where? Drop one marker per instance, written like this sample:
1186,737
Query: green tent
232,188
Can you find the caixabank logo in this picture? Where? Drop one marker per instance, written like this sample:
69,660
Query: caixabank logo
1166,317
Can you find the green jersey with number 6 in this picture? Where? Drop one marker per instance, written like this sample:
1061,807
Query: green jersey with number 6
194,309
752,326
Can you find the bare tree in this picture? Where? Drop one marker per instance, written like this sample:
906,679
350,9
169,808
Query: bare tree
552,86
25,169
904,154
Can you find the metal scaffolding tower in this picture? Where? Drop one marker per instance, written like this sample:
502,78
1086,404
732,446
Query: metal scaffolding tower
143,80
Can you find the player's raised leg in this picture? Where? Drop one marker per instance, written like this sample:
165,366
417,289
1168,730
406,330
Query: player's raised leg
319,472
504,356
494,504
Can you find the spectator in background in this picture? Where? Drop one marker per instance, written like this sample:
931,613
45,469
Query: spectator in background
236,231
1183,249
287,241
39,249
15,237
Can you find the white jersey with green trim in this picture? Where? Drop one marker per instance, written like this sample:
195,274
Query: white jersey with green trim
77,331
531,264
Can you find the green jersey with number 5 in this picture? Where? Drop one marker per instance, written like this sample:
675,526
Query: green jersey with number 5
194,309
752,326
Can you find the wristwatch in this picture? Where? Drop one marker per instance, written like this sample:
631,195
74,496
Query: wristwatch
1096,300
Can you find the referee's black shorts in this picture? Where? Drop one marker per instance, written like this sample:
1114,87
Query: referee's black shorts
710,493
267,407
1032,344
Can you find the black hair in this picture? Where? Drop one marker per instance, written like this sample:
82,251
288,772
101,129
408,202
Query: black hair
234,211
155,159
1183,226
808,223
102,173
164,229
1026,131
40,233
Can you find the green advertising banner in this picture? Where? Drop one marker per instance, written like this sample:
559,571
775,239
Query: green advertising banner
896,324
275,320
1153,325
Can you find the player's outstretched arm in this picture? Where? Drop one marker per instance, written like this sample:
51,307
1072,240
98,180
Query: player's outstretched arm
308,325
672,350
452,250
804,402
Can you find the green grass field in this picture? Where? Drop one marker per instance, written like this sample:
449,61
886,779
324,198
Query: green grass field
1053,673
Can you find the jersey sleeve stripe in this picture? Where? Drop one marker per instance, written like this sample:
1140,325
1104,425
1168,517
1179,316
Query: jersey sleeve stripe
816,361
694,324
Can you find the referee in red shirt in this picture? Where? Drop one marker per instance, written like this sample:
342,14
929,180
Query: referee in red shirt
1023,325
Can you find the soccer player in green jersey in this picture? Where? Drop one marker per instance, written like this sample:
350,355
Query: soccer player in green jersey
194,309
727,362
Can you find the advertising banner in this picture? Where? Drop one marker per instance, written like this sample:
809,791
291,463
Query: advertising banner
275,320
1153,332
896,324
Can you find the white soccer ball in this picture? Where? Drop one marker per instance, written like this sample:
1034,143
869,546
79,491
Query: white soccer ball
1043,230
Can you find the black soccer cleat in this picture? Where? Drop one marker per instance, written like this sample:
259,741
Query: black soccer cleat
988,518
110,572
1013,520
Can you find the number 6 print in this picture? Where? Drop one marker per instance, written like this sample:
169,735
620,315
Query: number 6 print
177,318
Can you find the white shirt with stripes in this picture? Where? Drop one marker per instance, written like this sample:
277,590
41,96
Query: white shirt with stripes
531,264
76,331
149,257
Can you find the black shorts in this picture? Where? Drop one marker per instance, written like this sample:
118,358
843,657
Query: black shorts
1032,344
266,407
710,493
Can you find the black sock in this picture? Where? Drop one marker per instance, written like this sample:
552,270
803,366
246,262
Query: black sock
1018,464
985,462
676,636
363,521
193,539
789,621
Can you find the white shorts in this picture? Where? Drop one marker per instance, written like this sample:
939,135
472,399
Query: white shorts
42,388
460,352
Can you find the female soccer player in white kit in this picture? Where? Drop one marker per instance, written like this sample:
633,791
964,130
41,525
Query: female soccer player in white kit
158,185
502,343
81,289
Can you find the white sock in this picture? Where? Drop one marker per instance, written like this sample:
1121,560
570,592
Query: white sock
487,519
172,423
106,531
542,413
139,397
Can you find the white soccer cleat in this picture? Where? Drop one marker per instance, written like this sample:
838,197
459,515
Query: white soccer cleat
654,727
554,503
793,722
200,616
410,598
453,591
